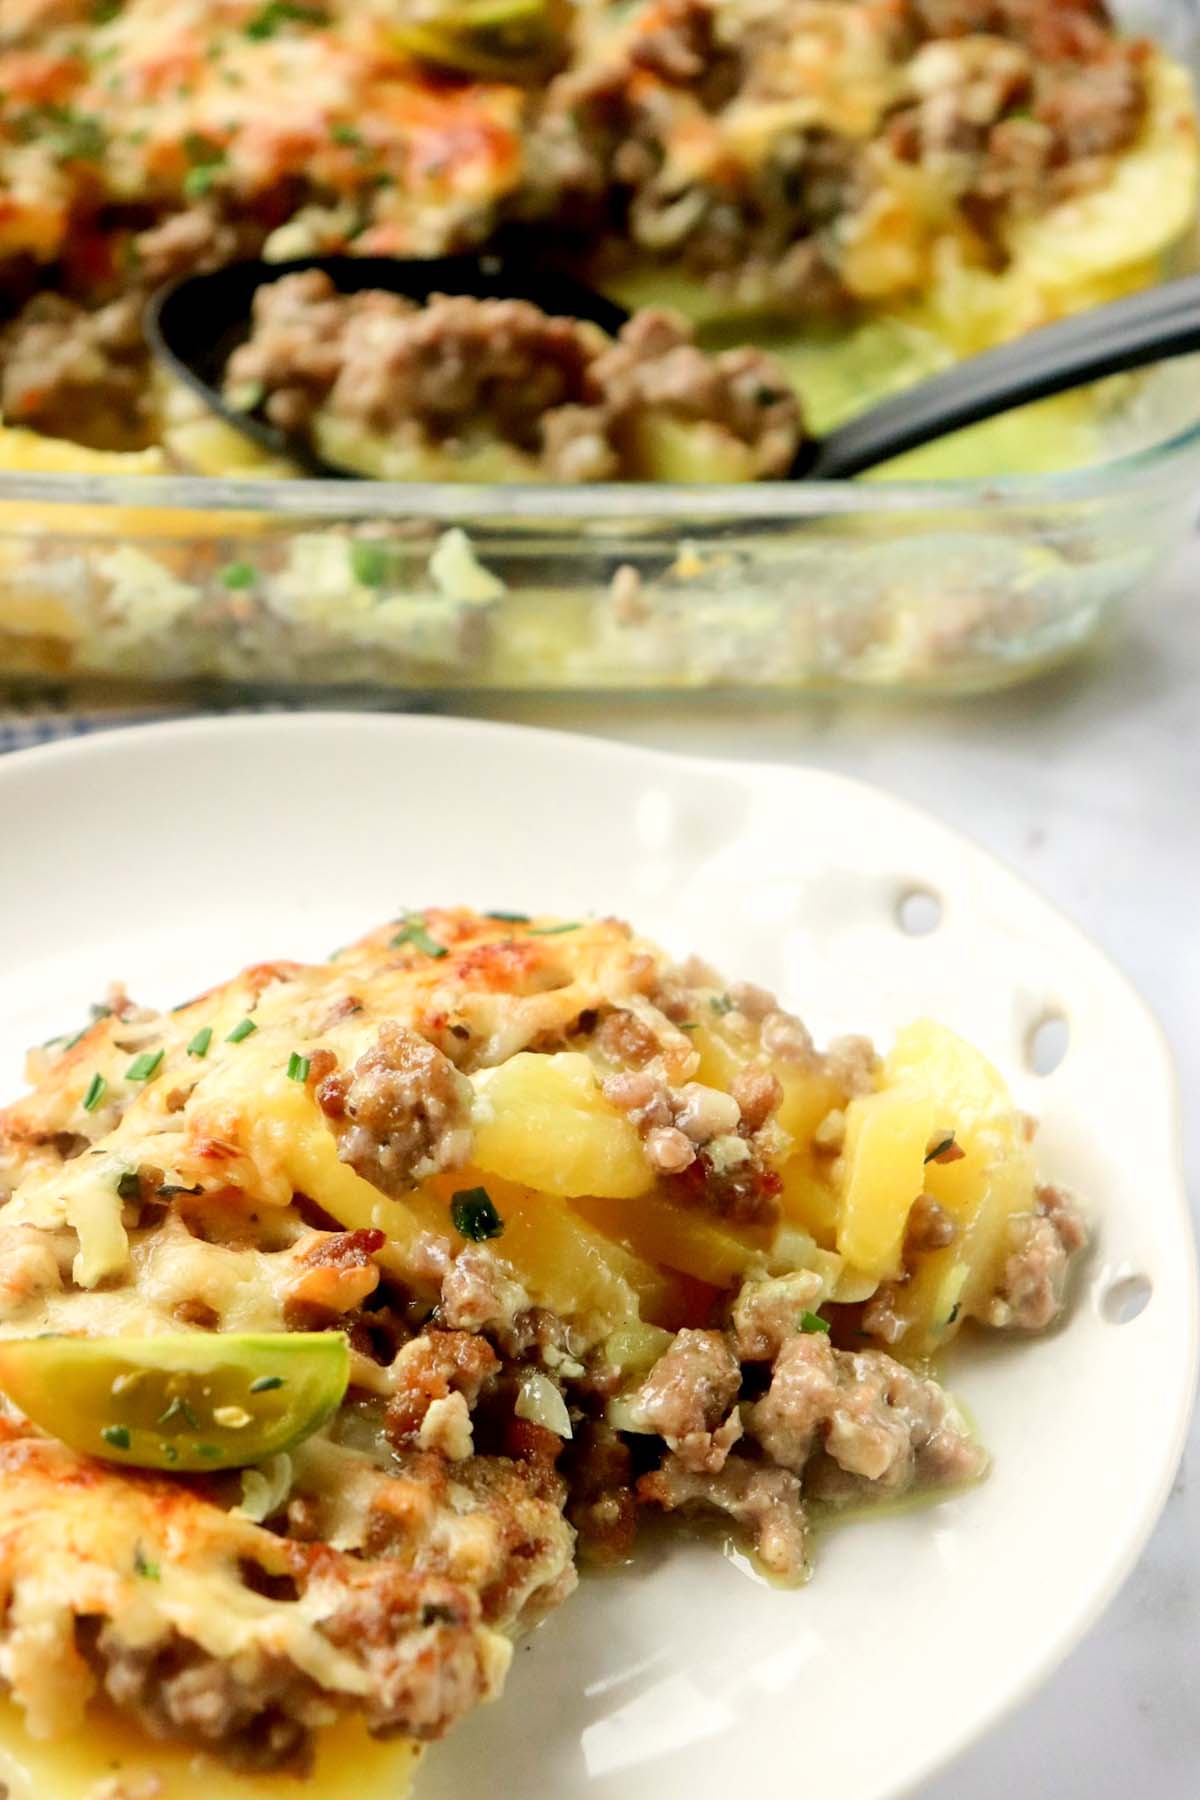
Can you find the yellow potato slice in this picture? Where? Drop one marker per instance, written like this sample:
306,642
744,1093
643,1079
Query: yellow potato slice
994,1179
543,1122
887,1137
661,1232
111,1754
561,1260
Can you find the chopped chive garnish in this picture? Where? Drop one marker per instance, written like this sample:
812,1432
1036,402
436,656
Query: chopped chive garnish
945,1151
169,1189
369,562
553,930
474,1215
954,1312
413,932
129,1184
201,1041
297,1067
178,1408
263,1384
278,13
689,1025
198,182
721,1004
145,1066
149,1571
117,1435
345,134
240,1031
238,574
811,1321
210,1450
95,1093
168,1451
507,918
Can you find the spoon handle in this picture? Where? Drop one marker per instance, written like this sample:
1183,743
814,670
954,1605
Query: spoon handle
1151,326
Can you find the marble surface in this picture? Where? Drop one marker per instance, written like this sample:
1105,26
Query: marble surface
1088,783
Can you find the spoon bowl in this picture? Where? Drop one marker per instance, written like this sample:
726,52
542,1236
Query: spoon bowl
195,323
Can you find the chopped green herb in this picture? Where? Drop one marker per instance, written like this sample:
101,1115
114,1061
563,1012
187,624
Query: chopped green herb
76,136
169,1189
721,1004
553,930
198,182
99,1011
201,1041
117,1435
689,1025
105,10
178,1408
238,575
945,1151
168,1451
265,1384
149,1571
241,1030
507,918
212,1451
345,134
203,152
277,13
129,1184
297,1067
413,932
811,1321
474,1215
954,1312
95,1093
145,1066
369,562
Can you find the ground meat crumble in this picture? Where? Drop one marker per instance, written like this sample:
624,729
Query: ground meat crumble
402,1113
459,370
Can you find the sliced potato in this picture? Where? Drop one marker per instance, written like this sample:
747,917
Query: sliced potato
887,1137
661,1232
543,1121
561,1260
992,1180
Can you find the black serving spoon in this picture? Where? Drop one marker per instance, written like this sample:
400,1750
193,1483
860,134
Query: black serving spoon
196,323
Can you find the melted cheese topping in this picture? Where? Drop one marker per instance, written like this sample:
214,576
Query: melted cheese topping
170,101
234,1118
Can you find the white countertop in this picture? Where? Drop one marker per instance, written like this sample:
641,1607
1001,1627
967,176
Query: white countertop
1088,783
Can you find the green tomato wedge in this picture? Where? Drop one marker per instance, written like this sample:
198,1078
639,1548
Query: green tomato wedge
184,1401
498,39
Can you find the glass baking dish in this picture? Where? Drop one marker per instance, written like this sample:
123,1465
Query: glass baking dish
928,585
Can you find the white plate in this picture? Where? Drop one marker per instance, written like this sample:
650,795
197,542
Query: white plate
170,855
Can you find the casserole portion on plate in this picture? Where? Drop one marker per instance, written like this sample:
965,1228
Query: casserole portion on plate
340,1304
